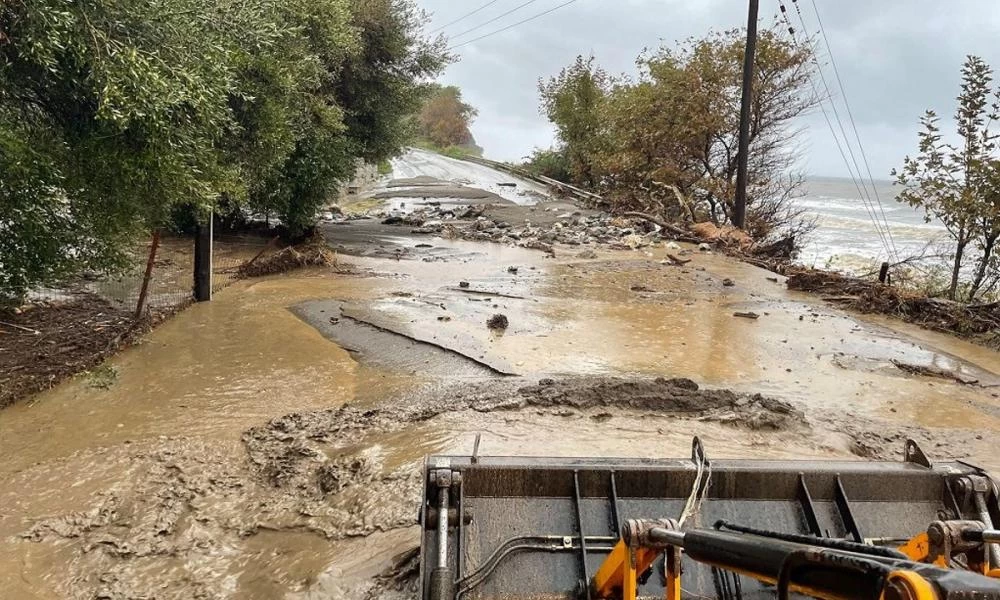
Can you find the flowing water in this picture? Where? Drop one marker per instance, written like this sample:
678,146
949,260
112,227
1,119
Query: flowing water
147,488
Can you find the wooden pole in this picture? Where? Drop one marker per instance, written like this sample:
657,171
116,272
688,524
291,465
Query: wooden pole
141,304
740,208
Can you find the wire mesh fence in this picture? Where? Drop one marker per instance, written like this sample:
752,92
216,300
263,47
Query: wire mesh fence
169,282
72,326
232,252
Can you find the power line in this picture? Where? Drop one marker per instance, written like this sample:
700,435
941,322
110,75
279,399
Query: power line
494,19
861,187
465,16
492,33
890,244
854,126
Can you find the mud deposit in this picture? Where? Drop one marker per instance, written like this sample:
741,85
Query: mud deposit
185,519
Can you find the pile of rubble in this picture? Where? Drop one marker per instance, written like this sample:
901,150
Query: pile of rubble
570,228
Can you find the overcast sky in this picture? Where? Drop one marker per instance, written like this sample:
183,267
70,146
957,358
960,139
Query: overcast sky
896,58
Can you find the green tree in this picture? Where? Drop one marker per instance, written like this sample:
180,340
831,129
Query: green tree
444,118
110,112
114,113
673,132
572,101
957,184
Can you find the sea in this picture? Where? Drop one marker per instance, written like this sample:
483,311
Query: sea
846,238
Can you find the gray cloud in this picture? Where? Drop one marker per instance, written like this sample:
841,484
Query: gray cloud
897,58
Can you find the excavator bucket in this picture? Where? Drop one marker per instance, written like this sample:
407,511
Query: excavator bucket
529,528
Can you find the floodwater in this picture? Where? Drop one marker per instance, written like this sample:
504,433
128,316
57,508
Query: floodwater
144,489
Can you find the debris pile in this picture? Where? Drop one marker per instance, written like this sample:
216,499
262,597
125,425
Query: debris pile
498,322
313,252
572,229
980,322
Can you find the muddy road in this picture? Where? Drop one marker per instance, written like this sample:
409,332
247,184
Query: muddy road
268,444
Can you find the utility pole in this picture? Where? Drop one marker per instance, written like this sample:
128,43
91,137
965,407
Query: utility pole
740,210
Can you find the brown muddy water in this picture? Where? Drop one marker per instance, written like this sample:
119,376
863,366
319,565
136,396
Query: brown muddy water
268,444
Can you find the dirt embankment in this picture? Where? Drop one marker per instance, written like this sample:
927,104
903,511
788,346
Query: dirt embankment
44,344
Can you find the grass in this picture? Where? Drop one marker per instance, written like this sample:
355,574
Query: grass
449,151
101,377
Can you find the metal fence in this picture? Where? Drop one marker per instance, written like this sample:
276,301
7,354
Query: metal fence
170,276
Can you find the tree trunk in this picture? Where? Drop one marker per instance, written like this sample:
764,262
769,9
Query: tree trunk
984,262
959,251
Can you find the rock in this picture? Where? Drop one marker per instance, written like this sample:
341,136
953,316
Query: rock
463,284
587,254
512,270
634,241
705,247
498,321
747,315
728,282
673,246
537,245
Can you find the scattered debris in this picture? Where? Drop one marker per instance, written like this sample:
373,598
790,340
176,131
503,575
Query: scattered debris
929,371
488,293
677,262
726,235
498,321
641,288
43,344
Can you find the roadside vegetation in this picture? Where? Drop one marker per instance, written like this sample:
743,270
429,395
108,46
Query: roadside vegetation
443,123
118,118
955,179
665,143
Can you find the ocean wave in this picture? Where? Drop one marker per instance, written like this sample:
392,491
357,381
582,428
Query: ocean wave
821,204
865,224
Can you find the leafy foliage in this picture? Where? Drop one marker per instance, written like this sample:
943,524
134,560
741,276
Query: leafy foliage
673,133
114,113
444,119
959,185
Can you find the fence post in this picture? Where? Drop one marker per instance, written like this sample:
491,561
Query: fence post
883,273
203,262
140,305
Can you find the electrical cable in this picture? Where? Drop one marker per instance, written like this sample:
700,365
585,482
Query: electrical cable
857,180
492,33
465,16
494,19
861,150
